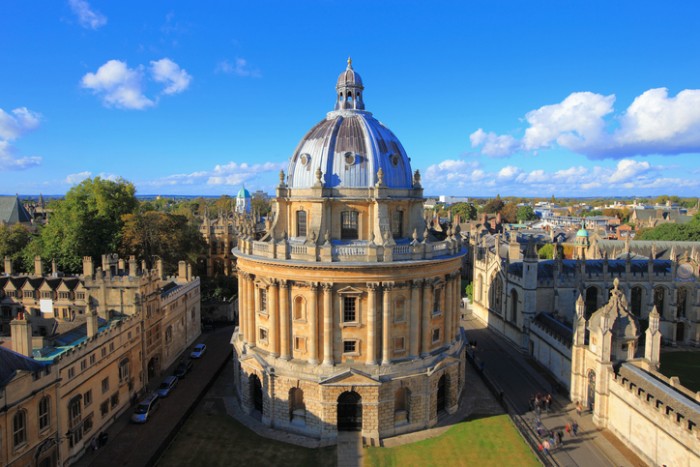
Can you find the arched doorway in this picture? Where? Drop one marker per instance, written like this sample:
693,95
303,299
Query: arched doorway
680,333
256,393
349,411
441,395
591,390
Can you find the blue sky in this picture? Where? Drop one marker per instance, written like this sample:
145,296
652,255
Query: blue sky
575,98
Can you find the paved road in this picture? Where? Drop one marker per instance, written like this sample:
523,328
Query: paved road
520,380
140,445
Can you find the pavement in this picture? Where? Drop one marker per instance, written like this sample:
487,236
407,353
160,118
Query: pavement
519,378
141,445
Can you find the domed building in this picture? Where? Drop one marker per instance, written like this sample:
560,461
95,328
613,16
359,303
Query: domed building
243,201
349,307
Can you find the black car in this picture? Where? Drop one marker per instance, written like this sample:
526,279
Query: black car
183,368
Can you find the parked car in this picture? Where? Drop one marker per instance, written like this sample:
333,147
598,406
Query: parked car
198,351
183,367
145,409
167,385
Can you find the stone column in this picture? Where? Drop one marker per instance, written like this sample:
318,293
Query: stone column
284,320
242,305
371,323
427,314
386,323
273,313
448,310
414,322
328,324
250,298
313,324
457,314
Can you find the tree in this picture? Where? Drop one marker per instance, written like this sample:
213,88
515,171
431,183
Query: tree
526,213
465,211
546,251
494,205
469,291
509,213
158,234
13,240
260,204
87,222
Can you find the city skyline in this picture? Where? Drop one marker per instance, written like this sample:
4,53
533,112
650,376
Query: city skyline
584,99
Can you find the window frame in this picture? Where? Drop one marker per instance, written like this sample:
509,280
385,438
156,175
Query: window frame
301,223
349,225
44,413
355,350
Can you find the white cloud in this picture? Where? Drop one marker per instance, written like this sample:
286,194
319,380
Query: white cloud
87,17
629,169
118,85
231,173
74,179
14,125
168,72
585,122
509,172
123,87
239,67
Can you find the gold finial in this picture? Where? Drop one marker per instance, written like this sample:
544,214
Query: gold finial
349,62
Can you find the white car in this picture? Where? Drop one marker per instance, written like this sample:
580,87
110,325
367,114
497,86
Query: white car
198,351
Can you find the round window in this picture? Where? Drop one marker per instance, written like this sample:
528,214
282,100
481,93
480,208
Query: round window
349,158
304,159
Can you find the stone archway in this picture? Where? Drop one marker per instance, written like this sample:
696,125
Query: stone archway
256,393
349,411
441,402
591,390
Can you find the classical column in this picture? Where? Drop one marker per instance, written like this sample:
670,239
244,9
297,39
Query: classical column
456,305
242,320
250,298
328,324
414,322
448,310
273,313
386,322
427,314
371,323
313,324
284,320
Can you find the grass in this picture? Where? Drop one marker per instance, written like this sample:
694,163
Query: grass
484,441
685,365
219,440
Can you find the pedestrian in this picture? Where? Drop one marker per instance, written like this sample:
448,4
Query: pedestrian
560,436
574,428
579,408
567,428
546,446
93,443
547,402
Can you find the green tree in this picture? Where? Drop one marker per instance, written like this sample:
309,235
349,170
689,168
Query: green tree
546,251
158,234
87,222
494,205
469,290
466,211
526,213
13,240
260,204
509,213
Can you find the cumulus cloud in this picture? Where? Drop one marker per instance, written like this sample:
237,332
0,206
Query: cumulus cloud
122,87
586,123
627,176
169,73
87,17
231,173
118,85
239,67
14,125
74,179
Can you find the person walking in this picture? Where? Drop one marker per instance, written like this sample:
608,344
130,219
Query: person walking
546,446
574,428
579,408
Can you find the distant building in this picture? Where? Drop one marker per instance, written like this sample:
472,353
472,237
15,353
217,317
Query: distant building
12,211
243,201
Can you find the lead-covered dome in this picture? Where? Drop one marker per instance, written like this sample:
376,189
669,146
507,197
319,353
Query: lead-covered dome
350,146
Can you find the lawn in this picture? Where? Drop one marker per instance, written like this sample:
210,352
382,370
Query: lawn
219,440
685,365
491,440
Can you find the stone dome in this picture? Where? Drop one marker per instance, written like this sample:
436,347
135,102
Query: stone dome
243,193
350,146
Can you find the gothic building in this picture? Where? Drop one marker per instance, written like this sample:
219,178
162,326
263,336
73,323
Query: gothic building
348,305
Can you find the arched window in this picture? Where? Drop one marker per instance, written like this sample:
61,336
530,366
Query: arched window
397,223
636,301
496,297
301,223
44,412
591,301
513,306
437,296
402,403
659,299
19,428
349,225
682,302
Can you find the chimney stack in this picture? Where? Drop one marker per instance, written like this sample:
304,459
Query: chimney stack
38,266
159,268
92,324
21,331
182,270
189,271
88,266
8,266
122,266
133,266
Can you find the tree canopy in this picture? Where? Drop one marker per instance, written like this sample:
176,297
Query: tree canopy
494,205
466,211
87,222
13,240
526,213
673,232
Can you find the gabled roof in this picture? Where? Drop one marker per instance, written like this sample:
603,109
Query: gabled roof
12,211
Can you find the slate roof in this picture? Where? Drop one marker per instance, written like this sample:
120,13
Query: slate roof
644,248
12,362
12,211
545,269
